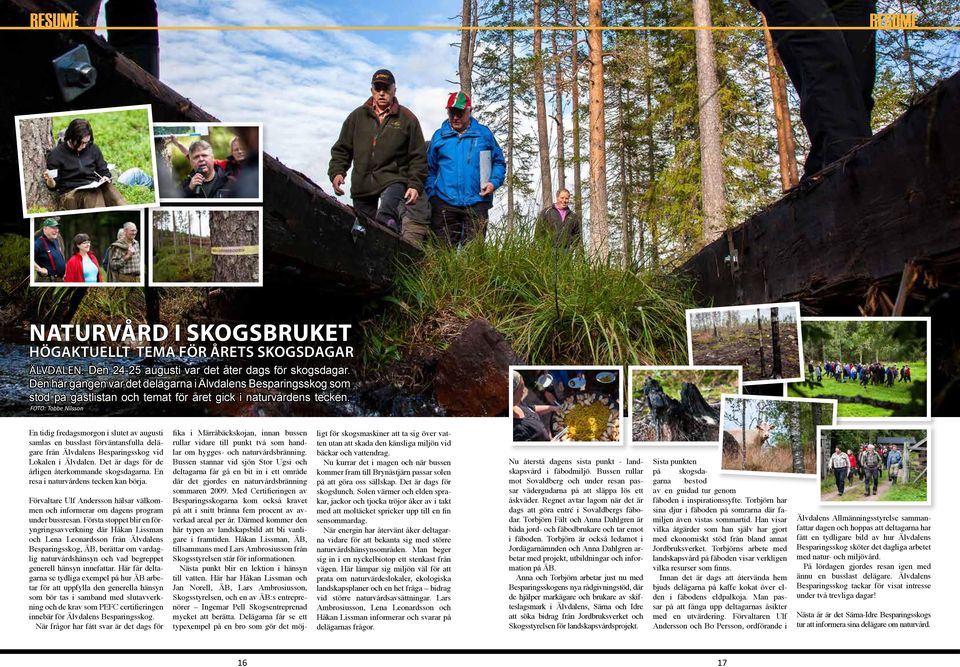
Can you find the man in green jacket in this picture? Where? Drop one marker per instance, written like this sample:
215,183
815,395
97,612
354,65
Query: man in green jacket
384,142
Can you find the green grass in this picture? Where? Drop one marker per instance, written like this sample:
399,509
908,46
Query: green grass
553,307
899,393
124,139
913,492
173,265
710,383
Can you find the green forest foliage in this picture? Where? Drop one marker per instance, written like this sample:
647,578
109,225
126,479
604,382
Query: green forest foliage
711,383
865,341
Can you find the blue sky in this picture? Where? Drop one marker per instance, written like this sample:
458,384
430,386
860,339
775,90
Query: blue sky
302,85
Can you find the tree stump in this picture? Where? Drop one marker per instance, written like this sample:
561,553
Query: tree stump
691,419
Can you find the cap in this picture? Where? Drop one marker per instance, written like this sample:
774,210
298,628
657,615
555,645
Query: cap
51,222
458,101
383,76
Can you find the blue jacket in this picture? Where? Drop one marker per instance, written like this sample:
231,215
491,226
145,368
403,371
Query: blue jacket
453,164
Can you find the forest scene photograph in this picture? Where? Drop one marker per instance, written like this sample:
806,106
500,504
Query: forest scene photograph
873,368
673,404
775,435
870,465
763,339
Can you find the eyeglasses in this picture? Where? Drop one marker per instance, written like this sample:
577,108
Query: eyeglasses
455,113
381,87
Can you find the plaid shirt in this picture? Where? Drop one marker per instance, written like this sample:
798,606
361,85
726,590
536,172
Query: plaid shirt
119,263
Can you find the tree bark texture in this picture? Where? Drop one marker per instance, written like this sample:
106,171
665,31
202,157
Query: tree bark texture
796,438
36,140
786,148
546,184
231,229
599,231
575,107
708,97
465,68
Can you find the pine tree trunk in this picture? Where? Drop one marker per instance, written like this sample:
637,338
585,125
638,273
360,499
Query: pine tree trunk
546,185
575,108
511,105
234,228
599,231
708,96
760,330
36,140
786,148
796,438
558,99
465,68
189,215
625,224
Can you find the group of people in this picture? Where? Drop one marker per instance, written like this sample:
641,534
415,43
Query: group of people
445,187
868,464
865,374
121,260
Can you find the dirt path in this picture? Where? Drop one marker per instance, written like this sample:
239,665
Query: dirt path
854,490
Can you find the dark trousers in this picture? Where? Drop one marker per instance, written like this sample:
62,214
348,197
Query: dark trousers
868,475
840,474
383,207
832,70
456,225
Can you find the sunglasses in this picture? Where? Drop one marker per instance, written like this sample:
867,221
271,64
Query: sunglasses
456,113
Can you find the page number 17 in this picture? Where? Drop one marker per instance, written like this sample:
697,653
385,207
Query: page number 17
722,662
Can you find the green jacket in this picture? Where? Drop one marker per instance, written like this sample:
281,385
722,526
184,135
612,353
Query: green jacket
393,152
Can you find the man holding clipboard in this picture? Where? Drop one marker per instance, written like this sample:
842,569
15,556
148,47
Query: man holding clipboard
465,165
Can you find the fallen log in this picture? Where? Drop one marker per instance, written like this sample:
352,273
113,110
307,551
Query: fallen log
892,201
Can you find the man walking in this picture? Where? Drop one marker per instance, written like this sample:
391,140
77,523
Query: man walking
839,463
894,461
124,257
384,143
465,165
871,463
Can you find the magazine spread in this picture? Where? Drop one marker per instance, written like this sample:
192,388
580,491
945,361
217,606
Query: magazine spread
515,326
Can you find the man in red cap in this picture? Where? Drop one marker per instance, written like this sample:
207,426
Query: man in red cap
465,165
384,142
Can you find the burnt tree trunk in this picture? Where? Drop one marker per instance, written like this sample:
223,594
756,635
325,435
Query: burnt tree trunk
760,331
230,230
775,342
36,140
691,419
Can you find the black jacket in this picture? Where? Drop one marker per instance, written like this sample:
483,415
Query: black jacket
393,152
218,187
76,169
563,231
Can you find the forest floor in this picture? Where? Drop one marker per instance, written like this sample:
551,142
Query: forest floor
739,347
903,399
178,264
